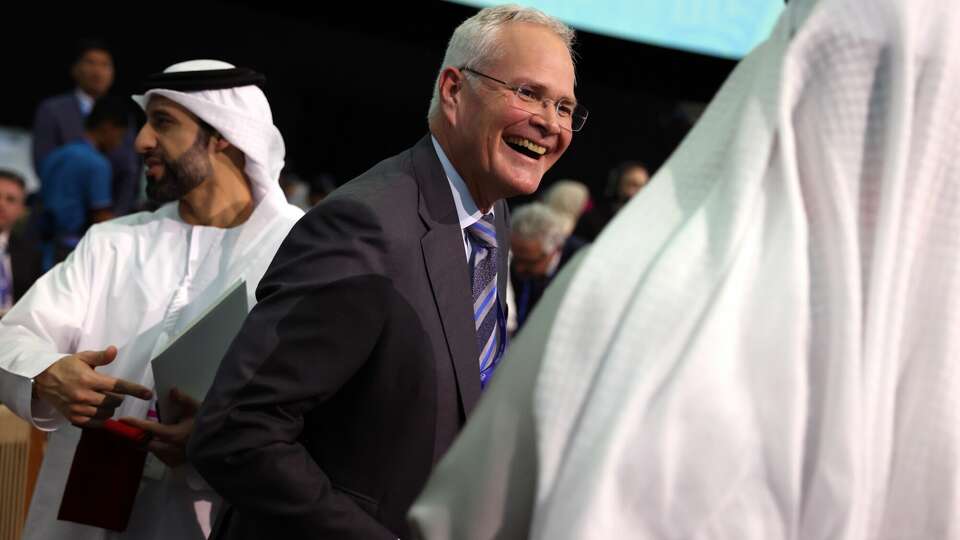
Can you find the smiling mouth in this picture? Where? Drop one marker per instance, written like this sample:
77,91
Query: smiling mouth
526,147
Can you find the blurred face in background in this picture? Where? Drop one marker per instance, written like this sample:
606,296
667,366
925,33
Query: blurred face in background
11,203
632,181
93,72
530,259
111,136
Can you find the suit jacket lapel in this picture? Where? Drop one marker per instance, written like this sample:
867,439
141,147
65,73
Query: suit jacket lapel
447,270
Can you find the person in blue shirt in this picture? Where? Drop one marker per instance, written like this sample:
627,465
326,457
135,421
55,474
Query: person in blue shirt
76,179
59,120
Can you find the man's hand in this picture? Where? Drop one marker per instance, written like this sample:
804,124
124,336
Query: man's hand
82,395
169,441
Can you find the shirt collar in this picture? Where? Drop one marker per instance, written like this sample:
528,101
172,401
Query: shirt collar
467,210
85,100
4,241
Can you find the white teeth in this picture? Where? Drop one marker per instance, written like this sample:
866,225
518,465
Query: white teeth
528,144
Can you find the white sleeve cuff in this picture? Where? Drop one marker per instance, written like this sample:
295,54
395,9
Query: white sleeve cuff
17,390
44,416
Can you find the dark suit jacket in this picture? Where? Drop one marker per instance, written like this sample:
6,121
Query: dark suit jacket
357,367
25,263
58,121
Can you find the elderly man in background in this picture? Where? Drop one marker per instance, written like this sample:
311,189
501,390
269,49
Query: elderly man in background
540,245
570,199
82,338
76,179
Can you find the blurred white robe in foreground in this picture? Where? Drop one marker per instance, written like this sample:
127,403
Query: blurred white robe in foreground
765,343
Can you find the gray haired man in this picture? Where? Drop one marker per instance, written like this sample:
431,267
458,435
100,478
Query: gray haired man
541,246
382,317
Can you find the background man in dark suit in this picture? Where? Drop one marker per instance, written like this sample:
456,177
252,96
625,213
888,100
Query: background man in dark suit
382,315
59,120
19,256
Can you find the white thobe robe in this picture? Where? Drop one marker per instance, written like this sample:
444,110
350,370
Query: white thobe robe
133,282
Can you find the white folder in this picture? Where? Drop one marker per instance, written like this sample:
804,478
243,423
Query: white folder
191,359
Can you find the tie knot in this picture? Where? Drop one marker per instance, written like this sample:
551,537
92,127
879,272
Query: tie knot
484,231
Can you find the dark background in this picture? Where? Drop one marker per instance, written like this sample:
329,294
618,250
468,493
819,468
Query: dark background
350,86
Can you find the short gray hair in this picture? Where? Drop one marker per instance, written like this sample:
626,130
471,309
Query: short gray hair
567,197
536,221
474,42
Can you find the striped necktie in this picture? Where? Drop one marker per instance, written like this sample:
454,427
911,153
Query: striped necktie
486,309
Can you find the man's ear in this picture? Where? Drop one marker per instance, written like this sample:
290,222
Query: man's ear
451,83
451,86
219,143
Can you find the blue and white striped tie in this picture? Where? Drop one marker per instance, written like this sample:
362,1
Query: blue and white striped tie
486,308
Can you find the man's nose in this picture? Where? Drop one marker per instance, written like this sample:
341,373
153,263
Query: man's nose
145,140
547,117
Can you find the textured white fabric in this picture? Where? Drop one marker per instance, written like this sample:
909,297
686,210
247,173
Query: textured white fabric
764,343
243,116
778,356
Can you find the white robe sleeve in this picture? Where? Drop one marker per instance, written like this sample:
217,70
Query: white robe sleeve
43,327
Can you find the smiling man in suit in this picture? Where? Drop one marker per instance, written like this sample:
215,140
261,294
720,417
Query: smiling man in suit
382,316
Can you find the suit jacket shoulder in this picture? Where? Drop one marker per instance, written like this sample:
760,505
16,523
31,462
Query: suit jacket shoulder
25,262
58,120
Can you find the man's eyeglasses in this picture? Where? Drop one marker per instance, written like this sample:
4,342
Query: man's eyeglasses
571,116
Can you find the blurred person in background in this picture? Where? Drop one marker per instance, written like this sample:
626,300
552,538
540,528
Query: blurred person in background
570,199
540,245
320,186
60,120
20,259
624,182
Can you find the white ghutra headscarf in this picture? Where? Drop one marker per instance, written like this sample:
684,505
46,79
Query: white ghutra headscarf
242,115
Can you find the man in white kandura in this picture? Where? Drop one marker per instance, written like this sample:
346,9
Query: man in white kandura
83,336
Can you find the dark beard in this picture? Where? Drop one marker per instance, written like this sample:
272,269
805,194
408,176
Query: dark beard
183,174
